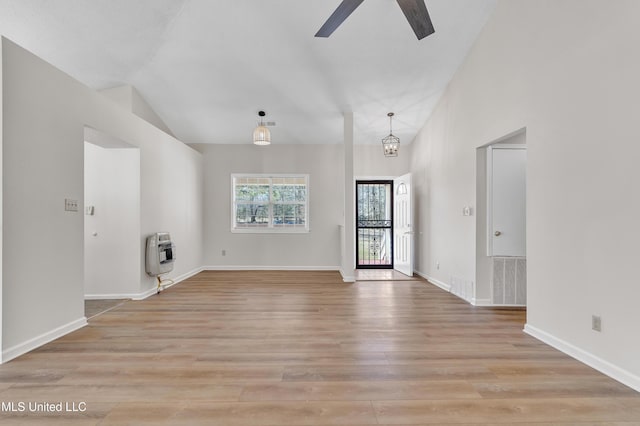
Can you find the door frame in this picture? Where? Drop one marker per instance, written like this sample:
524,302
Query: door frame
374,180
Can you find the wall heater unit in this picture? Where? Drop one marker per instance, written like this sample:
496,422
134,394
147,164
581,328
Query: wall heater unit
161,254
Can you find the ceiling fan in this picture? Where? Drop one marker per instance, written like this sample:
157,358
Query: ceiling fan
414,10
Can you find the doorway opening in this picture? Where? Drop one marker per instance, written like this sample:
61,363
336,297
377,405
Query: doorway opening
374,224
112,249
501,277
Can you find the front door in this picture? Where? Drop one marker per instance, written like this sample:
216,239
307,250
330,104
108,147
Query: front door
374,224
403,225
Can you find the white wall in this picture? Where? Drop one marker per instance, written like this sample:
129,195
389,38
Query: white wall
121,95
112,233
484,263
1,196
347,224
369,161
319,248
131,100
573,85
43,150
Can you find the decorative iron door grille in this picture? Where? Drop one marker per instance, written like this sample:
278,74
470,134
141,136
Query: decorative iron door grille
374,224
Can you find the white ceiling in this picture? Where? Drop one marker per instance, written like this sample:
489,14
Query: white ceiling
208,66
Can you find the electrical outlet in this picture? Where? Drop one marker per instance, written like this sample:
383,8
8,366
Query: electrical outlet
438,265
596,323
224,252
70,205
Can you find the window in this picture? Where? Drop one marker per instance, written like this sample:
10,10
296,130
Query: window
270,203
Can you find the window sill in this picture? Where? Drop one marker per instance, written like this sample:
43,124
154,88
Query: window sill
270,231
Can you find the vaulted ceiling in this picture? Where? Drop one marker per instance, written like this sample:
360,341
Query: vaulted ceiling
208,66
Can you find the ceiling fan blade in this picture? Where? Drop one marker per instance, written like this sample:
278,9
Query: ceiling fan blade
338,16
416,13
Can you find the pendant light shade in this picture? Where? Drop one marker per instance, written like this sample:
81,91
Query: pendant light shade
261,134
391,143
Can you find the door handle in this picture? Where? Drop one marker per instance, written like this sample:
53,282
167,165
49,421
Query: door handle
497,233
409,232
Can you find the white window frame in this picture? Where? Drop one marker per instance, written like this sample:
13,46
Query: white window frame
270,228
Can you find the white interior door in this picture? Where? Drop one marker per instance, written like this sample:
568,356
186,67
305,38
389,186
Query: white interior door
507,216
402,225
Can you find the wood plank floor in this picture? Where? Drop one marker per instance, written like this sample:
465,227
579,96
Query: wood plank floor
304,348
96,307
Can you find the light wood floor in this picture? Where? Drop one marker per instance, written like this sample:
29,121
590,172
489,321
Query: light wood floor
97,307
381,275
304,348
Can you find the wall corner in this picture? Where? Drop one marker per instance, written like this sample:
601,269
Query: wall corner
2,39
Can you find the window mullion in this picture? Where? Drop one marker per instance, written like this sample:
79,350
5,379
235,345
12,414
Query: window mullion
270,203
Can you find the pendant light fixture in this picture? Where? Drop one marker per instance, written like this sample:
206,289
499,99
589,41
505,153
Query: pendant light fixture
261,135
390,144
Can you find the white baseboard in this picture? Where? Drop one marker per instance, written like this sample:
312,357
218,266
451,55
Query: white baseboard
268,268
31,344
481,302
421,274
473,301
154,290
145,294
346,277
605,367
108,296
187,275
142,295
442,285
